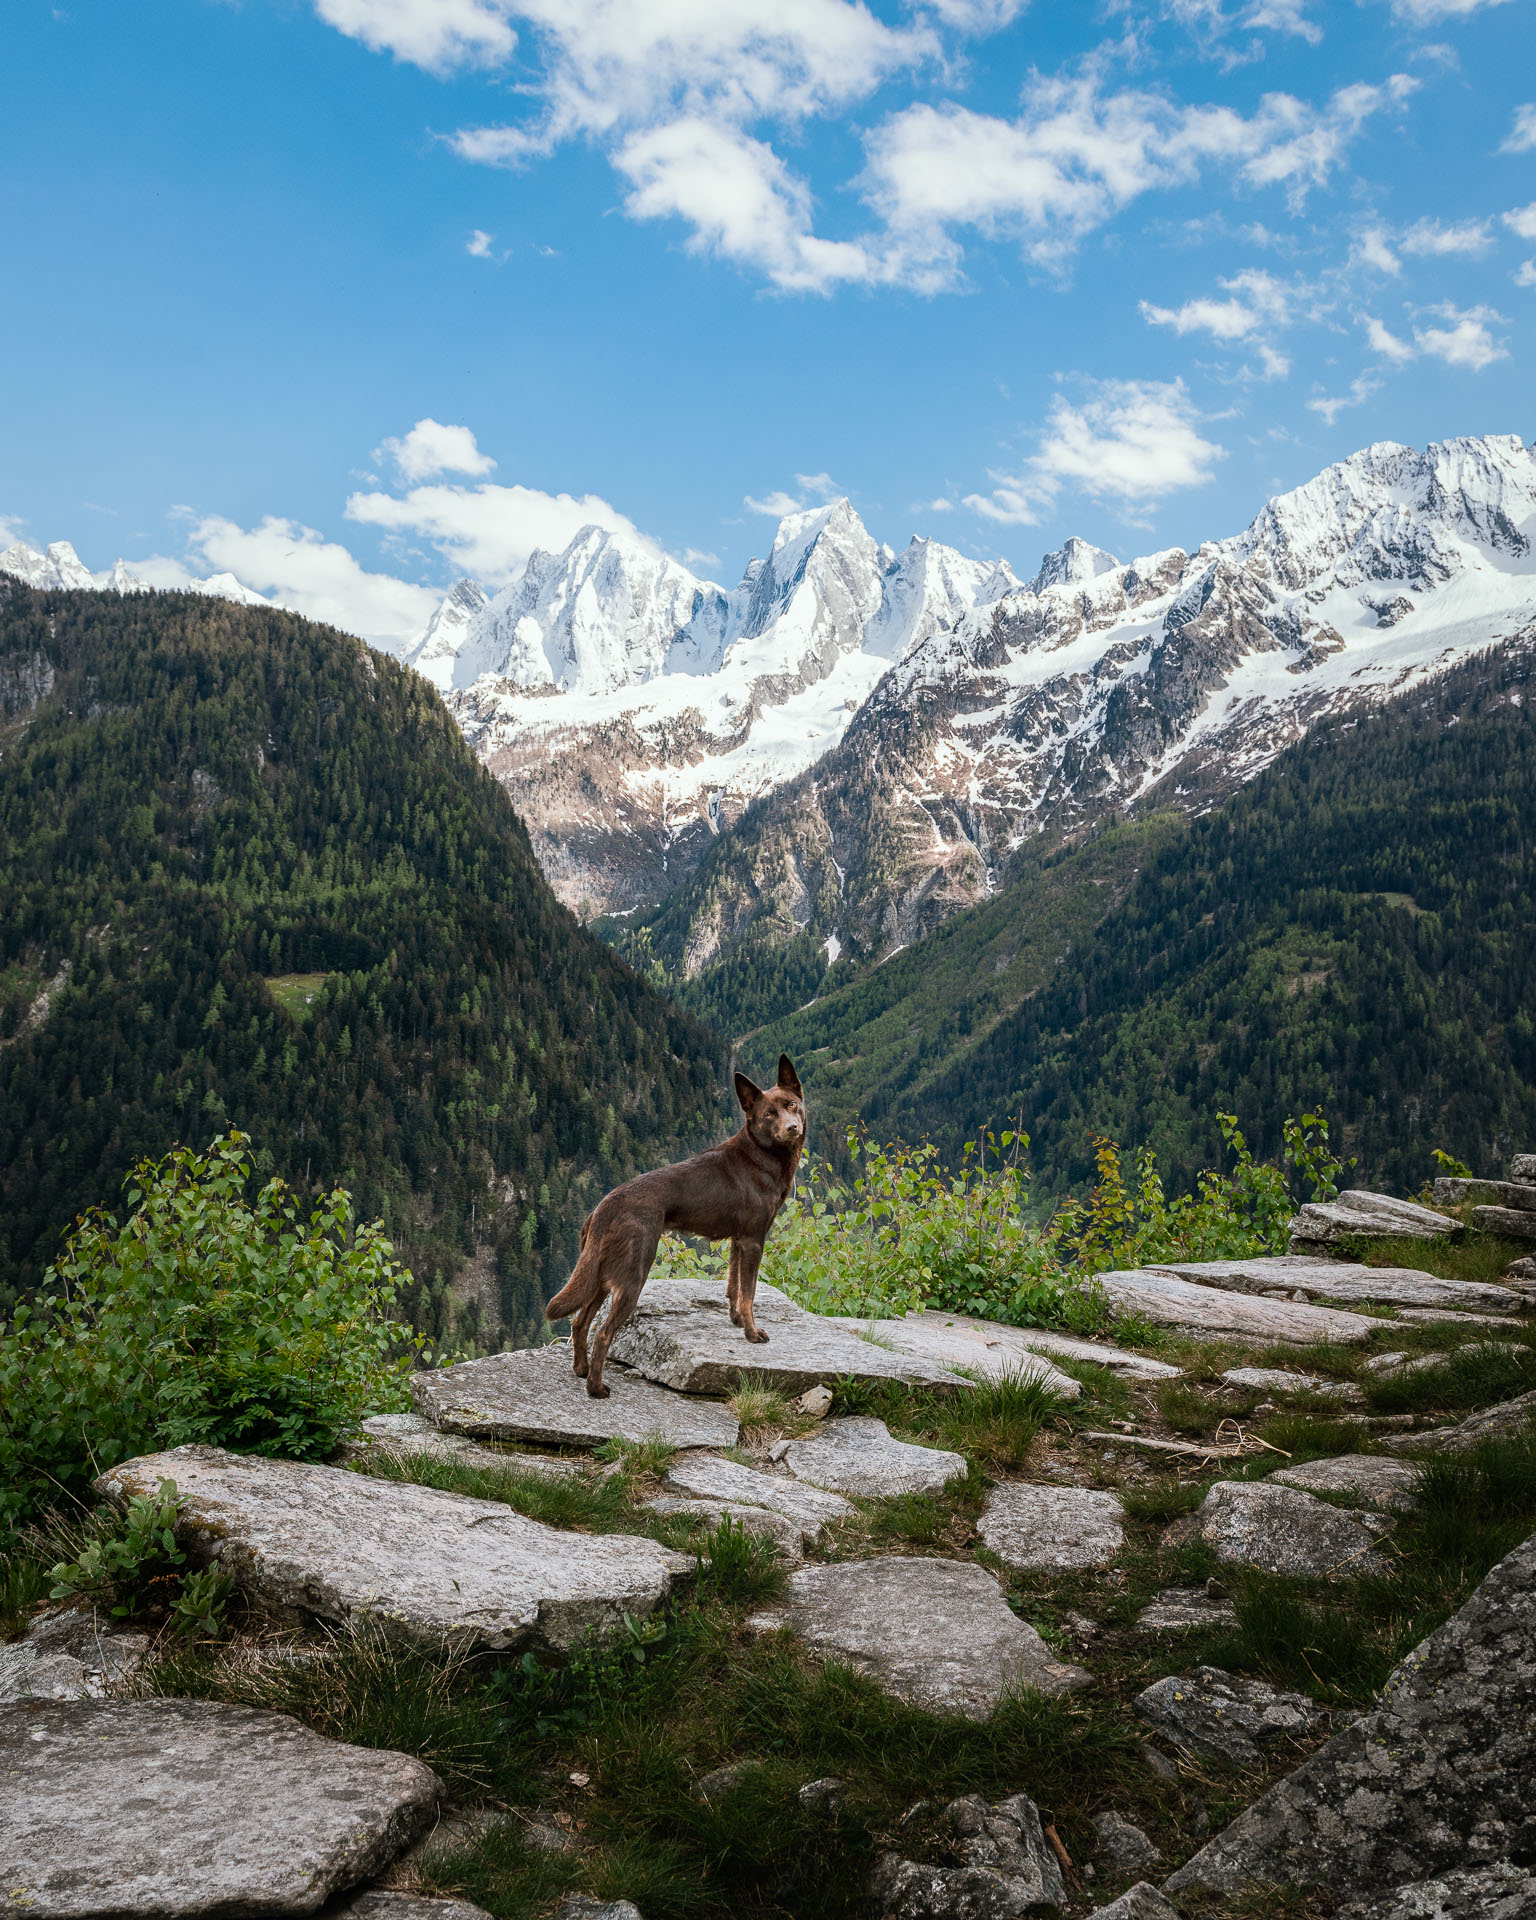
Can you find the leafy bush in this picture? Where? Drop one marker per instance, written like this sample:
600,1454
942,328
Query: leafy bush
135,1565
201,1317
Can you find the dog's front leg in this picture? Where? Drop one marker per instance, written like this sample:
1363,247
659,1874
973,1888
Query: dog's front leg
751,1254
733,1284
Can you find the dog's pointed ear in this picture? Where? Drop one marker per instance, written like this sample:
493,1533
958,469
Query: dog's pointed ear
746,1093
789,1080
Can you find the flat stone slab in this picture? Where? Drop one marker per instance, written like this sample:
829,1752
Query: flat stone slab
811,1508
1054,1345
1227,1716
1375,1216
682,1337
432,1567
408,1434
1278,1380
1169,1302
936,1633
1178,1609
1052,1527
1254,1523
1502,1891
1510,1223
1449,1192
980,1347
1443,1316
1007,1867
763,1521
377,1903
1436,1777
533,1395
172,1808
1340,1280
858,1455
1365,1476
72,1655
1141,1902
1509,1418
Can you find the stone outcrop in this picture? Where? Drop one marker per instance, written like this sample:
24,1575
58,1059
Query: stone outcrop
1141,1902
533,1395
1007,1870
1177,1609
433,1568
763,1521
1254,1523
1226,1716
1279,1380
1124,1844
1002,1343
1502,1891
681,1337
810,1508
169,1809
937,1633
1284,1275
1359,1214
857,1455
1511,1223
981,1348
71,1655
1510,1420
1363,1476
406,1434
1436,1778
1052,1527
1495,1193
1170,1302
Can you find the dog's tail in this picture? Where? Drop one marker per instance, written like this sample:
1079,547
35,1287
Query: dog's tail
584,1284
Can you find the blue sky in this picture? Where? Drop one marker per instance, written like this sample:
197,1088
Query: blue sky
999,272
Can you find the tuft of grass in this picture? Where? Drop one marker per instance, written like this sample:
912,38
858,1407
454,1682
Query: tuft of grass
1167,1498
638,1459
574,1501
1310,1436
764,1412
1479,1375
997,1421
23,1582
1187,1409
738,1567
1474,1255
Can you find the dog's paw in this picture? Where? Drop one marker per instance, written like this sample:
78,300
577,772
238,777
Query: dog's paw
757,1337
598,1392
735,1319
580,1369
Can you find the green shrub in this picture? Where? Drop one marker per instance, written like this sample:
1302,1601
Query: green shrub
201,1317
136,1565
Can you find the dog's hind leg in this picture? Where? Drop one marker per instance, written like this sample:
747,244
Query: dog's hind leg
627,1266
751,1253
580,1327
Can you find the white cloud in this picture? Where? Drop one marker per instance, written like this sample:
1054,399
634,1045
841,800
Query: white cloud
1373,249
479,244
1131,442
1522,220
303,571
1331,406
740,200
1300,146
775,505
488,531
1525,274
1384,341
1425,13
1222,319
1465,340
431,448
933,506
436,34
820,486
1259,305
1284,16
1521,137
1434,237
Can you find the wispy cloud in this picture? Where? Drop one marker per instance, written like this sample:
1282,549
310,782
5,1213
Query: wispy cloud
1521,137
1436,237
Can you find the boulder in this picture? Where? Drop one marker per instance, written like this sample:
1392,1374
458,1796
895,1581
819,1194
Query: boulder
1523,1167
172,1808
979,1347
1508,1421
1436,1777
1123,1843
1170,1302
858,1455
937,1633
1226,1716
763,1521
430,1567
682,1337
408,1434
707,1477
1008,1868
1052,1527
581,1906
378,1903
1279,1380
1511,1223
533,1395
1141,1902
1176,1609
1501,1891
1497,1193
1364,1476
1373,1216
1290,1274
70,1655
1254,1523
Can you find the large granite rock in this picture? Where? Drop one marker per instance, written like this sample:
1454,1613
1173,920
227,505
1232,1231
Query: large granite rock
1375,1216
1178,1609
1510,1223
858,1455
937,1633
71,1655
979,1347
1496,1193
533,1395
811,1508
1501,1891
1510,1420
408,1434
762,1521
1007,1870
682,1337
1003,1341
171,1808
1365,1477
1285,1274
1226,1716
1440,1775
1170,1302
1052,1527
1523,1167
1254,1523
432,1567
1124,1845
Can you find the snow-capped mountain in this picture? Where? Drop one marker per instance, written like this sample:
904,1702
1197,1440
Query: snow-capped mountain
61,569
910,722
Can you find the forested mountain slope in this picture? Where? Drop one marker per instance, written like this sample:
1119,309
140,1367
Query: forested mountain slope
1353,930
250,873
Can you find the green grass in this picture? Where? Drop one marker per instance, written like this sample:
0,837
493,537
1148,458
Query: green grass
23,1582
1482,1374
1167,1498
577,1501
295,992
1481,1257
743,1569
993,1424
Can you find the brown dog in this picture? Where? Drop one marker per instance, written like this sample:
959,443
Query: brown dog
732,1192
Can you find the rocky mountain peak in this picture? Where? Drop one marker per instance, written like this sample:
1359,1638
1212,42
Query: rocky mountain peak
1074,563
